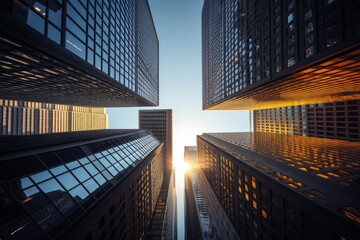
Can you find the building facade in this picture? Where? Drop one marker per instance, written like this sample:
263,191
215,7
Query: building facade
205,217
338,120
274,186
29,118
87,53
89,185
159,122
269,54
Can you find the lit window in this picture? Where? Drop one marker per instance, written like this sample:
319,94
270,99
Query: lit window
253,182
254,204
263,213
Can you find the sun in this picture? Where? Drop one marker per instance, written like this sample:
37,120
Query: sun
182,166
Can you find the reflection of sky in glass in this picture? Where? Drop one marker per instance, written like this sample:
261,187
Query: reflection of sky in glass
50,186
49,196
84,176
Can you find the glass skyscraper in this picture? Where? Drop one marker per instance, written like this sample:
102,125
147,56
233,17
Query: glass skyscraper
268,54
275,186
89,185
295,65
159,123
93,53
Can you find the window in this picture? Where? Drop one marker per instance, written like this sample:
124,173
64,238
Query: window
309,40
308,15
291,61
309,52
309,28
291,17
36,21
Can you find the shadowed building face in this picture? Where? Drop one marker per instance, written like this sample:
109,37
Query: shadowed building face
79,52
76,185
279,53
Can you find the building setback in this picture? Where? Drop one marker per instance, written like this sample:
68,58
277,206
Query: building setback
89,185
29,118
269,54
276,186
87,53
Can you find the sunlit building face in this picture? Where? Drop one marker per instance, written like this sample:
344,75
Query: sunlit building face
302,185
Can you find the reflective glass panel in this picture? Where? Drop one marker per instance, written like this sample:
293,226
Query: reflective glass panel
67,180
58,170
91,185
50,186
81,174
92,170
41,176
25,182
72,165
79,193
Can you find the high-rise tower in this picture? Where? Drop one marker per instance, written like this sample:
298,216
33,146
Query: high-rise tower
88,53
295,64
29,118
269,54
84,185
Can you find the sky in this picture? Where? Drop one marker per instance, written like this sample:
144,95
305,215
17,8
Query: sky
178,26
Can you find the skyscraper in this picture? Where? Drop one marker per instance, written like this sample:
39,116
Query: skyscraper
337,120
294,63
159,122
88,53
29,118
270,54
276,186
88,185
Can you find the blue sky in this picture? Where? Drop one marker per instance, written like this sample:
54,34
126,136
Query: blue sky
178,25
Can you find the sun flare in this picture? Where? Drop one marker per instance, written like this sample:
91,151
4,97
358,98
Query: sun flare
182,166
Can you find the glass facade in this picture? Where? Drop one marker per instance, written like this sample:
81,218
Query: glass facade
116,37
29,118
339,120
282,187
55,188
159,122
247,44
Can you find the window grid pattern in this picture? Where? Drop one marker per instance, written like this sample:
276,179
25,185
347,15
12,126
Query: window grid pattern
117,37
26,118
338,120
47,201
159,122
226,186
260,211
143,201
148,62
231,54
213,51
260,40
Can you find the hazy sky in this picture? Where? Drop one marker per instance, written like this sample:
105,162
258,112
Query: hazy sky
178,25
